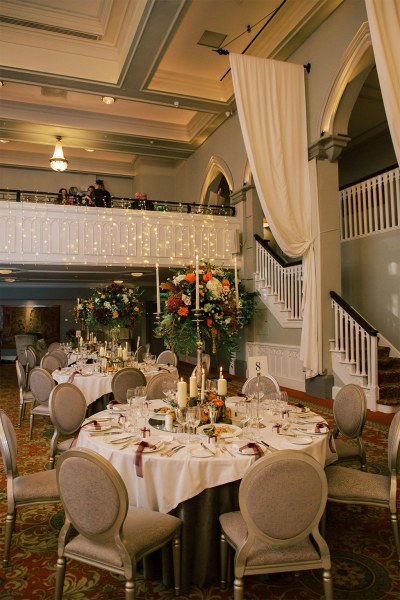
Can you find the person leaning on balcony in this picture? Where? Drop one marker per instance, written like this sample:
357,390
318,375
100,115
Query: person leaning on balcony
141,202
62,197
87,199
101,196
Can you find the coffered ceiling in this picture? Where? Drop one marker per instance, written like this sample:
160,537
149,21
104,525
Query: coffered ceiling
157,58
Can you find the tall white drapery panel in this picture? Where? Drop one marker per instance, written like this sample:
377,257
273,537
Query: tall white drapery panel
270,98
384,25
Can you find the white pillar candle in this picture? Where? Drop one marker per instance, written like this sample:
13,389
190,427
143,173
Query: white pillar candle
158,289
138,342
119,351
222,387
193,387
203,385
236,285
95,340
101,351
197,284
125,354
182,393
81,341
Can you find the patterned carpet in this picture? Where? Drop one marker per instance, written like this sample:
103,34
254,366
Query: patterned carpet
360,539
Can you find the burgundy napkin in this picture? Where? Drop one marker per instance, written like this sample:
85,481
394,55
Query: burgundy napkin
256,447
138,456
72,377
318,427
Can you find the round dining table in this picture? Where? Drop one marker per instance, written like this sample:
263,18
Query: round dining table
196,483
94,384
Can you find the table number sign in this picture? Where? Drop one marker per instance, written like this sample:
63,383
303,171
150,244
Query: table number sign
257,364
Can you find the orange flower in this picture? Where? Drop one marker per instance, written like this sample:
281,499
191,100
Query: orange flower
209,322
214,331
183,311
207,276
115,314
103,296
226,283
190,277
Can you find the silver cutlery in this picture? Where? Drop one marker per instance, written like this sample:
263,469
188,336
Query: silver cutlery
267,445
211,452
172,451
124,439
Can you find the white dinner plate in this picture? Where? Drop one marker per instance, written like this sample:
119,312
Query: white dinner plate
200,452
98,427
246,451
153,441
159,413
230,430
309,431
118,408
300,441
307,418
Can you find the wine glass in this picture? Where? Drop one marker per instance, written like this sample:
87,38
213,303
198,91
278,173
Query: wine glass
147,358
193,417
168,389
180,417
244,413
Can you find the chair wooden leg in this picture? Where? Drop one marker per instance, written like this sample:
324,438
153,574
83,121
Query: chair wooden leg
395,528
130,589
60,574
238,588
176,559
327,582
10,521
31,426
223,549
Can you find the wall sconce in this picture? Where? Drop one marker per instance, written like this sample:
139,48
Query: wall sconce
57,161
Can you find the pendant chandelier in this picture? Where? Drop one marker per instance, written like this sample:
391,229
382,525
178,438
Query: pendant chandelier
57,161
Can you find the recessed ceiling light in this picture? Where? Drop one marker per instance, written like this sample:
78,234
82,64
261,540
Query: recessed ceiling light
1,83
136,274
5,271
108,99
4,141
89,149
119,281
9,279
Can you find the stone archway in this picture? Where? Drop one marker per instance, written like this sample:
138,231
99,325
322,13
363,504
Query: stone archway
216,166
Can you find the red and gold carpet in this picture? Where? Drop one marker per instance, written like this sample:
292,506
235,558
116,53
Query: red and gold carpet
360,539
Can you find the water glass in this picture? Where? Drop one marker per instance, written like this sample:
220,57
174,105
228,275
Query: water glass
193,417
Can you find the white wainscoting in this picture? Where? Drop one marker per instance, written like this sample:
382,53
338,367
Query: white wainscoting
53,234
283,363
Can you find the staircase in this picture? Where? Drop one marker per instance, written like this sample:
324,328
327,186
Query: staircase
388,378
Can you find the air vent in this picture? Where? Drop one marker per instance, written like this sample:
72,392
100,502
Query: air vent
46,27
212,39
54,92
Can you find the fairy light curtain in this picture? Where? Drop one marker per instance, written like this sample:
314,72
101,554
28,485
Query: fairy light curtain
384,25
270,98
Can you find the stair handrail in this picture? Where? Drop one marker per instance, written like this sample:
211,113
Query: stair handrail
357,341
282,279
354,314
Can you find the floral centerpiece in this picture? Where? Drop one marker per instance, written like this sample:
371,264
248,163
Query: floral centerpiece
222,318
111,307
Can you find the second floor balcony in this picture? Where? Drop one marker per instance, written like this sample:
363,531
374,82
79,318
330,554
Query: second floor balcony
39,231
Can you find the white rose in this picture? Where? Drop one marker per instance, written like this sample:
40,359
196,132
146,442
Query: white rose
107,305
215,288
178,278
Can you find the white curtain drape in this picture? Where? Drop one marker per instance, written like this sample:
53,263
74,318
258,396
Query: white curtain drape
384,25
270,98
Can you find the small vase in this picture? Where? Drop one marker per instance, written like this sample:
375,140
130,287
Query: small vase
113,335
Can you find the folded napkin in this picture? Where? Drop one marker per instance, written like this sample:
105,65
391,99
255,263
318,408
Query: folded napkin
250,448
138,456
72,377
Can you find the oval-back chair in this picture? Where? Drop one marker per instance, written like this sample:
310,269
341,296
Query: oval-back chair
42,384
125,379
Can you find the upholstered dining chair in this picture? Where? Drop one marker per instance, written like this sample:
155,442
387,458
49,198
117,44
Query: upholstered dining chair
167,357
123,380
32,359
62,357
53,346
50,363
269,385
282,498
350,413
41,385
154,389
67,407
22,490
25,395
115,536
351,486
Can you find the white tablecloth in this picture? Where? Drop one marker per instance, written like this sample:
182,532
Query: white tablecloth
168,481
96,385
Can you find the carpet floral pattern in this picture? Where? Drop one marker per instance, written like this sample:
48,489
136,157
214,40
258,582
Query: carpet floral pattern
360,539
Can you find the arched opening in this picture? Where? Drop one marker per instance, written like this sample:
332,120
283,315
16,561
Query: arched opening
218,183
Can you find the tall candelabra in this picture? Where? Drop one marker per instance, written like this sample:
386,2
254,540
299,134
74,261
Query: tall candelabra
198,315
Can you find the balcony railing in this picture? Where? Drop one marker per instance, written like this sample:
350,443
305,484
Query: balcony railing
371,206
118,202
